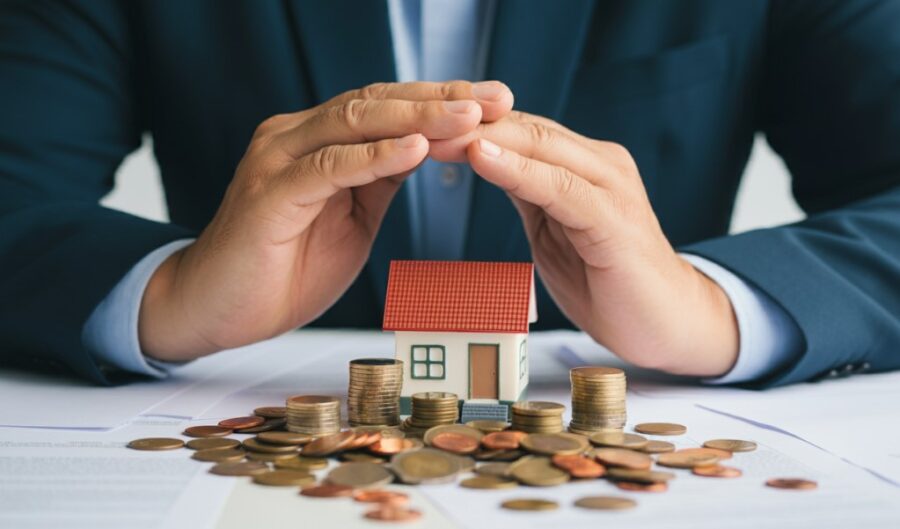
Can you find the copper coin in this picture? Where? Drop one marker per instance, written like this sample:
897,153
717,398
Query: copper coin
284,478
254,445
455,442
327,490
658,447
392,445
207,431
393,513
732,445
579,466
241,422
329,444
660,486
618,457
241,468
717,471
219,455
792,483
284,438
267,426
660,428
212,443
704,452
364,439
505,440
271,412
381,496
686,459
156,444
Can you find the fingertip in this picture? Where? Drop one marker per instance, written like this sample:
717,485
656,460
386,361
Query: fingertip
495,98
410,141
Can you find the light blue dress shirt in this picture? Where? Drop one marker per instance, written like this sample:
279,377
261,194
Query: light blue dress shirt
440,40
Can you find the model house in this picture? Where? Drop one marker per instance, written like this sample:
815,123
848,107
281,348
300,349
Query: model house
461,327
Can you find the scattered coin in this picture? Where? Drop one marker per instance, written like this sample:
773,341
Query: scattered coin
684,459
393,513
303,464
632,486
219,455
507,440
721,454
658,447
619,440
731,445
427,465
660,428
460,429
361,457
493,469
254,445
241,468
327,490
381,496
267,426
639,476
792,483
578,466
605,503
156,444
284,438
455,442
212,443
555,443
488,426
530,505
328,444
488,482
241,422
394,445
271,412
537,472
717,471
270,458
360,475
284,478
619,457
207,431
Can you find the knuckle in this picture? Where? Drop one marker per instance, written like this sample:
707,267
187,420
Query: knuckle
352,113
445,91
371,151
539,134
619,154
324,161
566,182
269,125
373,91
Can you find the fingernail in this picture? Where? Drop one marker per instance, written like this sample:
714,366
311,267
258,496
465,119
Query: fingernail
489,149
408,142
488,90
459,107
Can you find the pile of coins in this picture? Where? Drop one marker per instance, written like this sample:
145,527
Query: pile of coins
313,414
373,396
430,409
598,400
537,417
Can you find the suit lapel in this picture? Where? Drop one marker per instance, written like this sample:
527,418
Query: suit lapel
347,45
535,49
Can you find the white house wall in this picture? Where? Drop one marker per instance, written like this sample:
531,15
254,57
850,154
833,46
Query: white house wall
457,361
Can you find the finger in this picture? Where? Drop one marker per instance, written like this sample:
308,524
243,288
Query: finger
361,120
322,173
569,199
494,97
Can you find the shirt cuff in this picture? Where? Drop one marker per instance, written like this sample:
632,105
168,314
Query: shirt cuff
769,338
111,332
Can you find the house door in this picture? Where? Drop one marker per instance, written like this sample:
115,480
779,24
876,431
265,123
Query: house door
483,365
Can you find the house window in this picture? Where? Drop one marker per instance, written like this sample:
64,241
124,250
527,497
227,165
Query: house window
523,360
428,362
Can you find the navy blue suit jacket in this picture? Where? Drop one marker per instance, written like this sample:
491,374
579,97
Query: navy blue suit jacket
683,85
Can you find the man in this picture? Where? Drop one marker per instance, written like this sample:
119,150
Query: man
284,167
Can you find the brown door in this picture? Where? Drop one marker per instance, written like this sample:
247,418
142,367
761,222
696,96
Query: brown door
483,360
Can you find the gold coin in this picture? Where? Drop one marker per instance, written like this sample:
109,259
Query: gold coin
679,459
731,445
219,455
538,472
619,457
639,476
792,483
605,503
493,469
488,482
555,444
329,444
488,426
529,504
658,447
361,457
212,443
301,463
619,440
360,475
284,478
593,371
425,466
284,438
271,412
537,408
254,445
660,428
207,431
241,468
269,458
156,444
315,401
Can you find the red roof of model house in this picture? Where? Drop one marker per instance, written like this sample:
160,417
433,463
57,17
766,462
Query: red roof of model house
459,296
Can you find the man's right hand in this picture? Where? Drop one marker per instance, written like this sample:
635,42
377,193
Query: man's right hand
300,215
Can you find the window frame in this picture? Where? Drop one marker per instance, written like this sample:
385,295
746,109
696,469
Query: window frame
428,362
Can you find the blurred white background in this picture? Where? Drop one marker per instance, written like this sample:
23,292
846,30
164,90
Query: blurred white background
764,198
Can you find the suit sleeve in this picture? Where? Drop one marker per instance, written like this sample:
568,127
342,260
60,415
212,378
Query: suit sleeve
831,109
68,119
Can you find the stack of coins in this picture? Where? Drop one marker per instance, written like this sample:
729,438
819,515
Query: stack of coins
373,398
537,416
598,399
432,408
314,415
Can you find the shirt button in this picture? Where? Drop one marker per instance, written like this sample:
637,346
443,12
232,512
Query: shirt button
449,176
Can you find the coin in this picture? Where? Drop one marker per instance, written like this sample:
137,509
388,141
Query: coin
284,478
619,440
792,483
455,442
327,490
425,466
206,431
156,444
717,471
529,504
488,482
301,463
360,475
488,426
605,503
212,443
254,445
537,408
219,455
660,428
270,458
493,469
506,440
632,486
684,459
381,496
618,457
454,428
271,412
721,454
266,426
731,445
578,466
329,444
658,447
553,444
639,476
241,468
394,445
284,438
393,513
537,472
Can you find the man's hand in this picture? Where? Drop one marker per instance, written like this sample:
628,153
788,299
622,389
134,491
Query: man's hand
299,218
598,245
